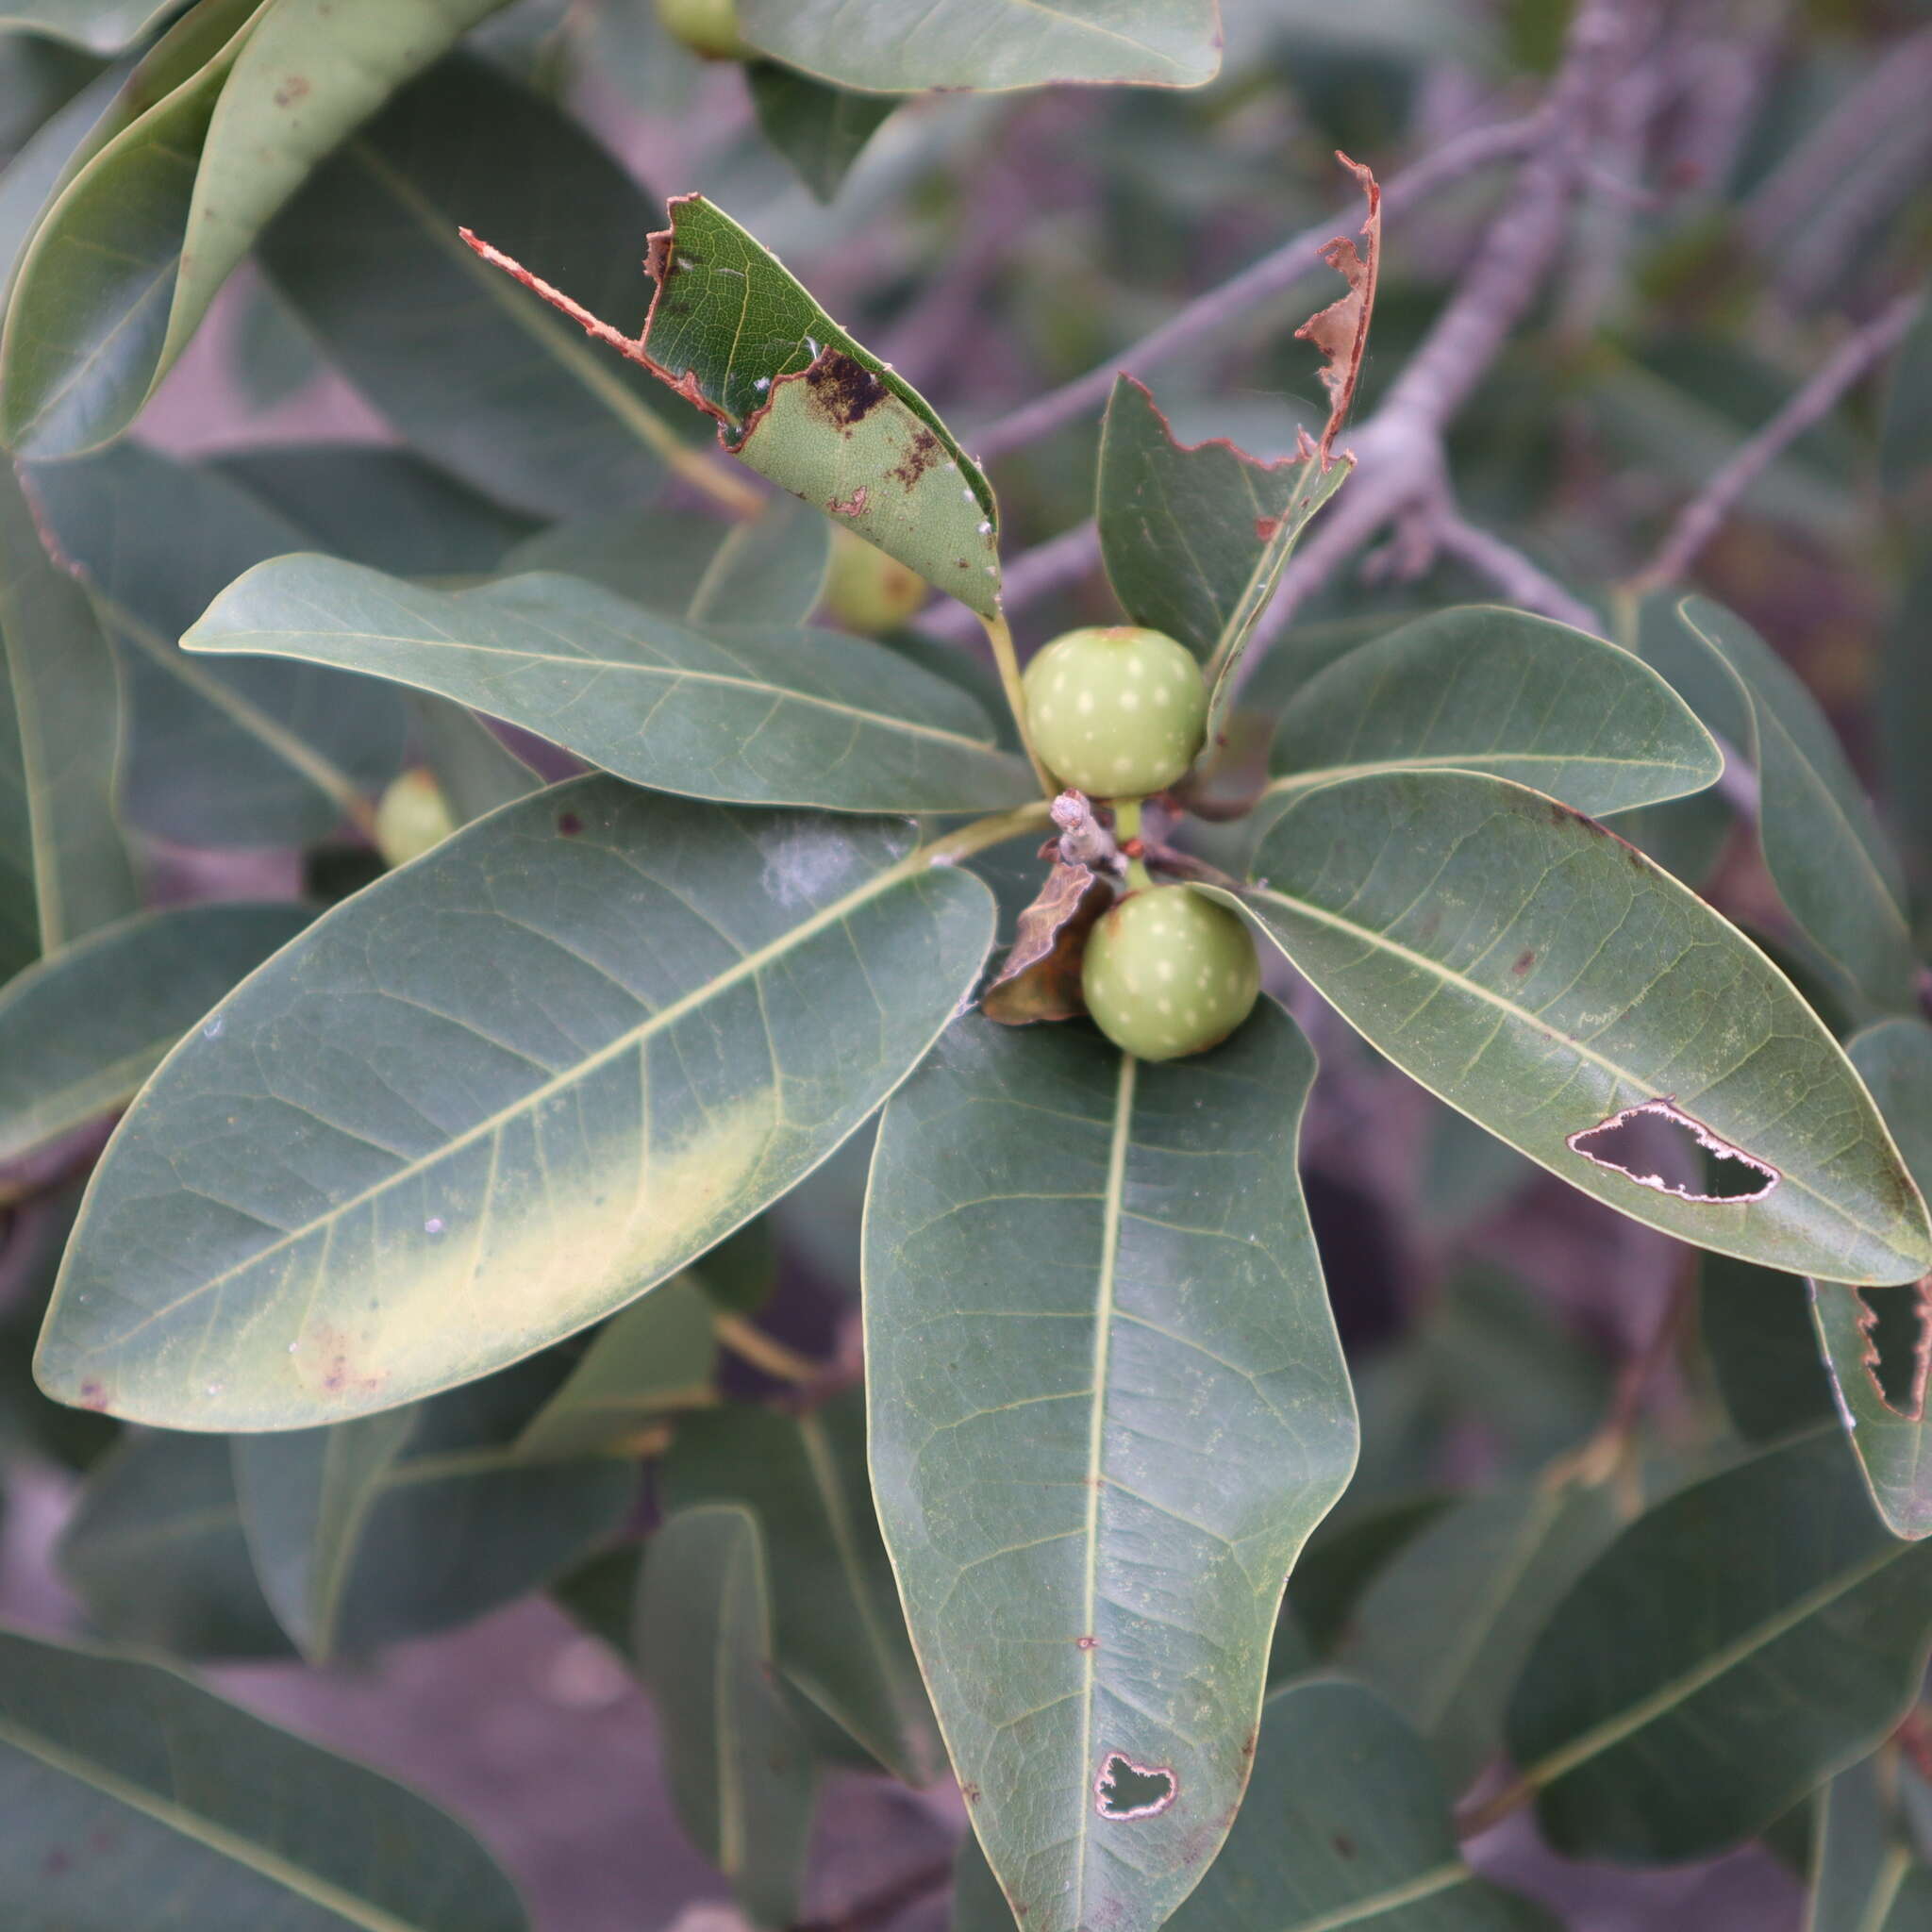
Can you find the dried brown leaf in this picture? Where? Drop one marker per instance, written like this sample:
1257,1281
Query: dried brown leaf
1040,979
1341,331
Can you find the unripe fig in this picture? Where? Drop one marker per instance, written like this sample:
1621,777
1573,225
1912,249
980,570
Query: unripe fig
706,27
1117,712
412,816
1169,971
866,590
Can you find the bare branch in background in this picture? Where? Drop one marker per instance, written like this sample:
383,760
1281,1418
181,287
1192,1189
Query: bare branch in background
1701,519
1271,276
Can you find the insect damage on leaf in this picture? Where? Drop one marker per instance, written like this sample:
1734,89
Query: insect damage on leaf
1125,1789
1040,979
1907,1402
798,400
1659,1146
1341,331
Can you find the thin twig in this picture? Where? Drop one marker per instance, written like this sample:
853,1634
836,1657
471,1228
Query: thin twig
1522,581
1275,273
1701,519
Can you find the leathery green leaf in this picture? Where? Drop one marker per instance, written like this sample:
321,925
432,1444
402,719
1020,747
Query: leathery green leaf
1182,527
840,1636
1443,1629
369,256
1891,1434
126,264
1107,1407
64,869
805,405
990,43
1347,1823
418,1518
1538,974
155,1550
1735,1646
269,1830
1866,1875
740,1773
821,131
82,1031
1833,868
1486,688
750,714
529,1075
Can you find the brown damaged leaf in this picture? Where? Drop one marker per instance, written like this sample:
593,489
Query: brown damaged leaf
1040,979
1341,331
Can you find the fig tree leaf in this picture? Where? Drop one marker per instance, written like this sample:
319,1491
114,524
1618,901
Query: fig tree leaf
1865,1874
1181,526
156,1551
989,43
1442,1630
529,1075
1892,1436
1542,976
739,1765
467,368
840,1635
125,264
759,715
1487,689
82,1030
419,1517
1832,865
267,1831
820,129
387,508
241,755
1107,1407
64,866
801,401
1346,1823
1733,1648
657,1357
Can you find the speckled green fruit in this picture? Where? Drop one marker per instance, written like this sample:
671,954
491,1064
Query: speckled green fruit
706,27
1169,971
1116,713
866,590
413,816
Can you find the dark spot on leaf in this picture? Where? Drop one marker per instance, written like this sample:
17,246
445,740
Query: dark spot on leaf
92,1395
1125,1789
924,451
1344,1844
1659,1146
1524,960
1248,1743
292,89
1266,529
852,505
56,1862
569,825
970,1793
845,391
1086,1643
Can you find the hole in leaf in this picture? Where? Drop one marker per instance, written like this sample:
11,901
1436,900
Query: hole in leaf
1896,1323
1126,1789
1659,1146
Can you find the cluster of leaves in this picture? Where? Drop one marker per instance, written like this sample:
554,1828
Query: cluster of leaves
433,1217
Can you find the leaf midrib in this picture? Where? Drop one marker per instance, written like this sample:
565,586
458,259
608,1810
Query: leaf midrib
203,1831
669,672
749,965
1112,1201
